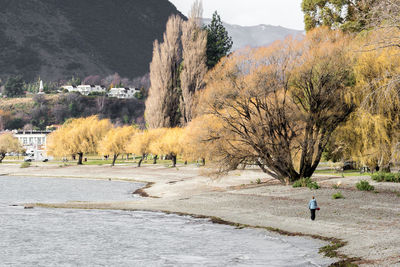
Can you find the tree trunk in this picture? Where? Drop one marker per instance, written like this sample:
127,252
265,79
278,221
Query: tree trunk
80,158
2,156
185,162
385,168
155,159
114,159
203,161
173,158
141,159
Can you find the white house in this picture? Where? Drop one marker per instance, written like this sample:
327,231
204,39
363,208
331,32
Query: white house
123,92
85,89
34,142
31,139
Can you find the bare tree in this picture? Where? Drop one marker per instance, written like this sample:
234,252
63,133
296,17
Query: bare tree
384,20
92,79
162,105
194,45
100,103
278,106
142,82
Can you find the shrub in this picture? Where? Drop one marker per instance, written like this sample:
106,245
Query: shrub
386,177
364,186
25,164
306,182
337,195
258,181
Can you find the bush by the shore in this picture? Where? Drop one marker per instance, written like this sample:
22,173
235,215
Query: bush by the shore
364,186
25,164
337,195
306,182
386,177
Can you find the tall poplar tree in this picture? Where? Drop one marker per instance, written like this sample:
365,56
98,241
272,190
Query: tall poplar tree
162,105
194,42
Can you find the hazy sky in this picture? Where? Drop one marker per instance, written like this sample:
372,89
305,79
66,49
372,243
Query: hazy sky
286,13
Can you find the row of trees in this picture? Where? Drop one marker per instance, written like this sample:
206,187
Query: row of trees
92,135
281,107
179,66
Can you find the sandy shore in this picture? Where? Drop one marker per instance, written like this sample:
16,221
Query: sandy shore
368,222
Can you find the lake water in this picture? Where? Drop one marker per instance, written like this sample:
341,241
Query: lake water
65,237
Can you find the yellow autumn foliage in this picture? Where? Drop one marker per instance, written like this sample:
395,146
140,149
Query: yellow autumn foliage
140,142
371,134
9,144
169,143
78,136
115,142
277,106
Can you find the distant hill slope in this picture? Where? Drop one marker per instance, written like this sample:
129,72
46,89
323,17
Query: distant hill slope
60,38
255,36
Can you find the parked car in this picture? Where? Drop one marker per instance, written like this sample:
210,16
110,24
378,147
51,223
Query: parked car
349,165
33,157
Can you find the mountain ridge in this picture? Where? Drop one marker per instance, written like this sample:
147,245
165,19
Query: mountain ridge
257,35
57,39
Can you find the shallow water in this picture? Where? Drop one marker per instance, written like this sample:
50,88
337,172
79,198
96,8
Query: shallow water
64,237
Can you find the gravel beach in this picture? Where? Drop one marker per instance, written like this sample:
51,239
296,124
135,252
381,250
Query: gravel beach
368,222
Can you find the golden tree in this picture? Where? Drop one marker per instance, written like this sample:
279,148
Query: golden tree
9,144
115,142
371,134
78,136
279,105
200,138
168,144
140,142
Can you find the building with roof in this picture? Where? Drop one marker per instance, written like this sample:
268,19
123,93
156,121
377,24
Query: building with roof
85,89
123,92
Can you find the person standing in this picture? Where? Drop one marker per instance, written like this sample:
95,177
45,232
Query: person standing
313,206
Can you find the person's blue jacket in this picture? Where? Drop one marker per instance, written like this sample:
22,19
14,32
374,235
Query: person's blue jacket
312,205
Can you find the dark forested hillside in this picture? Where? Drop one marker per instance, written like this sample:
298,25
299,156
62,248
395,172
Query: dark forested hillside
39,111
55,39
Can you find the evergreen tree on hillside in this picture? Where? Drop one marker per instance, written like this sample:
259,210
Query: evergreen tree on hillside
219,43
14,87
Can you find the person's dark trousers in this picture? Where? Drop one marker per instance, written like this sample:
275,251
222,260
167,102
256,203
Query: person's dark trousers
312,214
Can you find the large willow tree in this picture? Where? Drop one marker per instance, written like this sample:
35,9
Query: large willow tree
78,137
9,144
278,106
371,136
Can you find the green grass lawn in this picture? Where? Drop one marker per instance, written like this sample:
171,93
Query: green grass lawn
348,173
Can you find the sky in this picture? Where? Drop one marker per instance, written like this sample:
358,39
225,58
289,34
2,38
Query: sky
286,13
